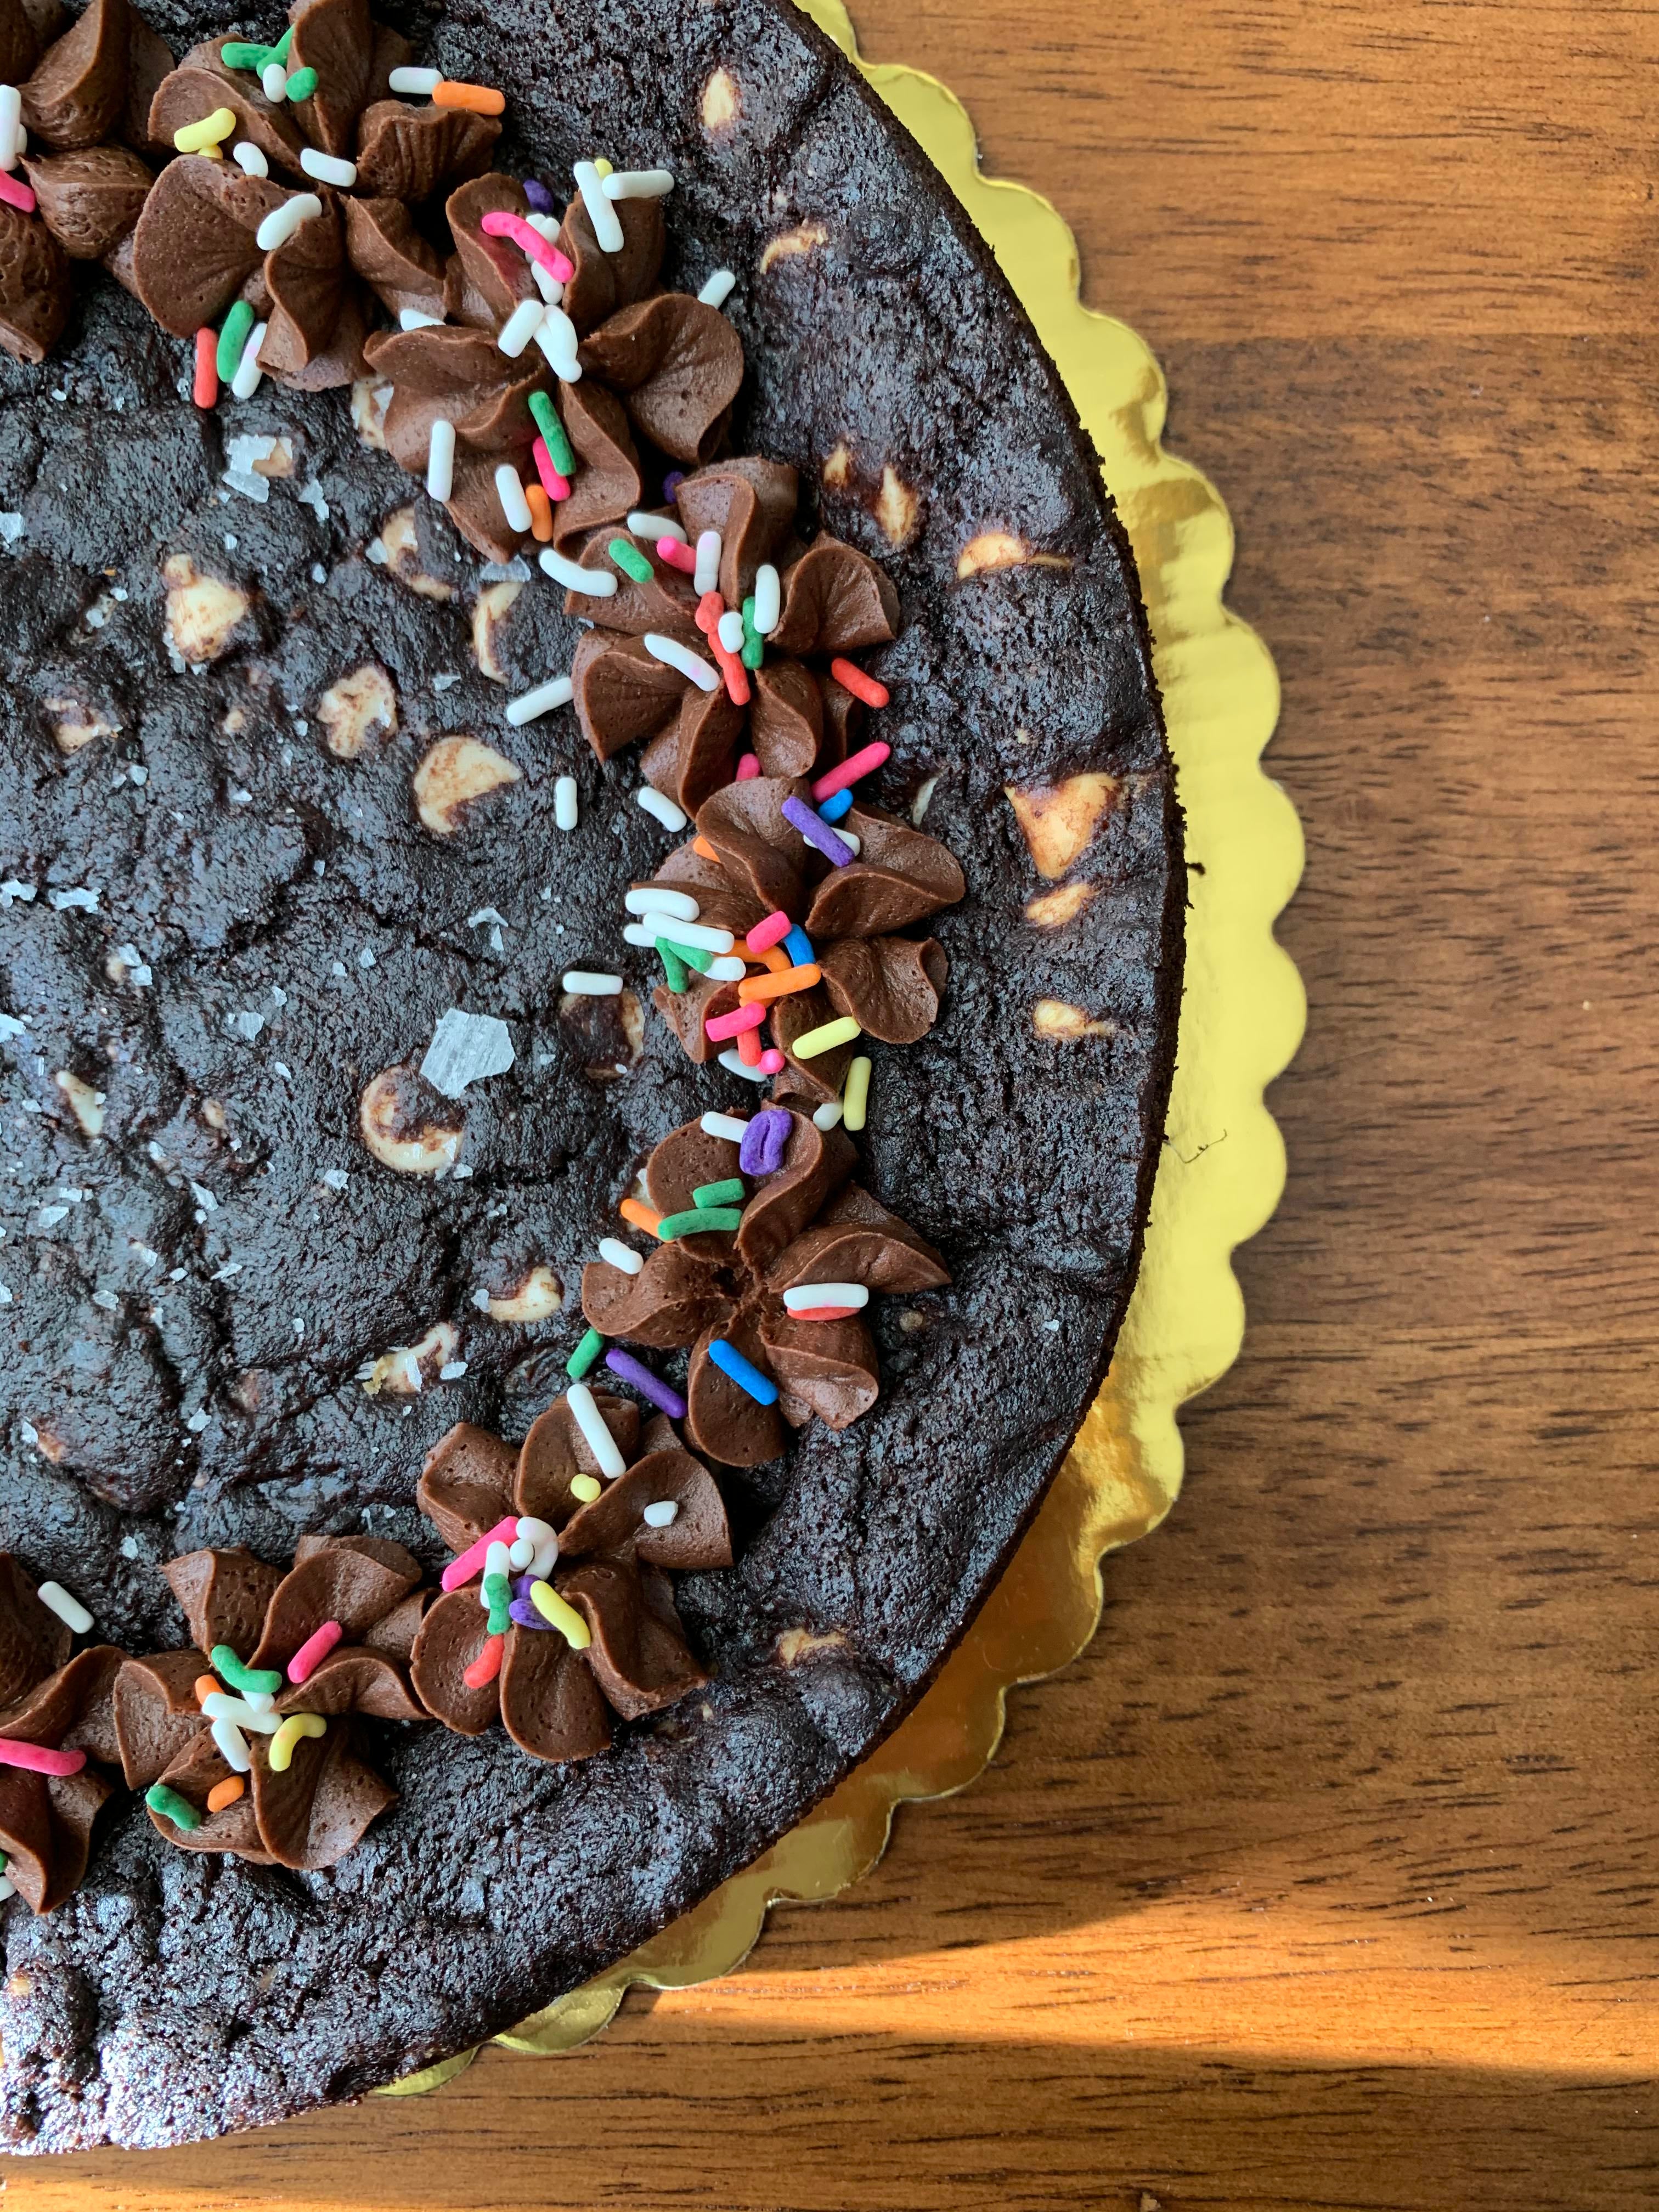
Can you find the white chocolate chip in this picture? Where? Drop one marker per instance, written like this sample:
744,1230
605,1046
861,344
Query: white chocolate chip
390,1117
494,603
202,614
369,402
722,102
898,507
538,1297
1058,821
356,709
83,1102
405,1370
1054,1017
457,772
788,243
1050,909
77,724
398,548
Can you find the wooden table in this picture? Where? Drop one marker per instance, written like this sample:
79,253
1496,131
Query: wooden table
1327,1878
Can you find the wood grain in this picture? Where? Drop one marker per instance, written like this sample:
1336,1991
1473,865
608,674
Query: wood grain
1330,1876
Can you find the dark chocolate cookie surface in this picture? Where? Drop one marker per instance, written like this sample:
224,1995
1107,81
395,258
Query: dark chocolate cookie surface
249,863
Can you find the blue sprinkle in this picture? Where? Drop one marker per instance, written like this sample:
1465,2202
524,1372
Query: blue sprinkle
799,945
833,809
731,1361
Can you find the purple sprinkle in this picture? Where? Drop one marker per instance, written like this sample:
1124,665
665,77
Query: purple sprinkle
542,200
525,1616
648,1384
764,1142
671,482
817,831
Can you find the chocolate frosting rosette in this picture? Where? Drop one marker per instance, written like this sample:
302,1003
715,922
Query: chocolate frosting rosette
743,1227
57,1735
85,94
558,1608
264,1756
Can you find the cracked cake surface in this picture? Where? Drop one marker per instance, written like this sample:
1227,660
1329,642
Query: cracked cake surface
265,821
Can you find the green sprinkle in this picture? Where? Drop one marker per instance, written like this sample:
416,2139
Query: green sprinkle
627,558
497,1595
698,1218
235,55
692,954
233,334
754,645
172,1807
584,1356
302,85
674,967
280,50
729,1193
552,430
227,1665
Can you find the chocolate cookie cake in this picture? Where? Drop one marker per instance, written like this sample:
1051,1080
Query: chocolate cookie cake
590,940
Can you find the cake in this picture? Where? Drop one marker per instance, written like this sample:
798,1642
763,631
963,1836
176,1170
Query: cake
489,1440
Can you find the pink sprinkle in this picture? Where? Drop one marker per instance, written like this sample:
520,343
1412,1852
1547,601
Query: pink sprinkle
555,485
721,1026
772,930
18,194
312,1653
771,1061
863,761
37,1760
500,224
471,1560
677,556
748,768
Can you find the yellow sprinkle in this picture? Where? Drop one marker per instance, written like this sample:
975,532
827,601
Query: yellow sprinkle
825,1038
282,1743
204,136
602,166
585,1487
856,1097
558,1612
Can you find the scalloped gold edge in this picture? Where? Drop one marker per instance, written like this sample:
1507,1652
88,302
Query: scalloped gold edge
1222,1170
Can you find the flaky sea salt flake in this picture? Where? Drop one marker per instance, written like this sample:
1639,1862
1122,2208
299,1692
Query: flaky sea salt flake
466,1048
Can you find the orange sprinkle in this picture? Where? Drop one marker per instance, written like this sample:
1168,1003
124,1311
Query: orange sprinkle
206,389
541,513
775,985
225,1793
769,956
481,99
701,847
641,1216
206,1687
488,1664
749,1047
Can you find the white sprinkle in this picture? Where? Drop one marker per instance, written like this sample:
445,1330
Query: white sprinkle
725,1125
673,654
600,1442
233,1747
594,583
69,1610
564,802
556,334
662,1515
702,934
280,225
606,229
510,492
520,326
826,1117
849,838
241,1712
716,292
730,631
587,983
249,160
11,126
618,1254
440,459
707,578
653,526
664,809
328,168
638,183
249,375
80,900
421,82
273,83
806,1295
768,598
735,1064
416,318
726,968
546,283
651,898
466,1048
541,1541
557,691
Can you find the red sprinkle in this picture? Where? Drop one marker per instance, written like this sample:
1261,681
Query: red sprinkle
488,1664
678,555
205,393
36,1758
736,675
748,768
749,1047
313,1652
710,607
16,193
860,685
555,485
499,224
863,762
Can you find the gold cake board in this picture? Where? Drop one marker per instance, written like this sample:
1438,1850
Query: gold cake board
1240,1021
